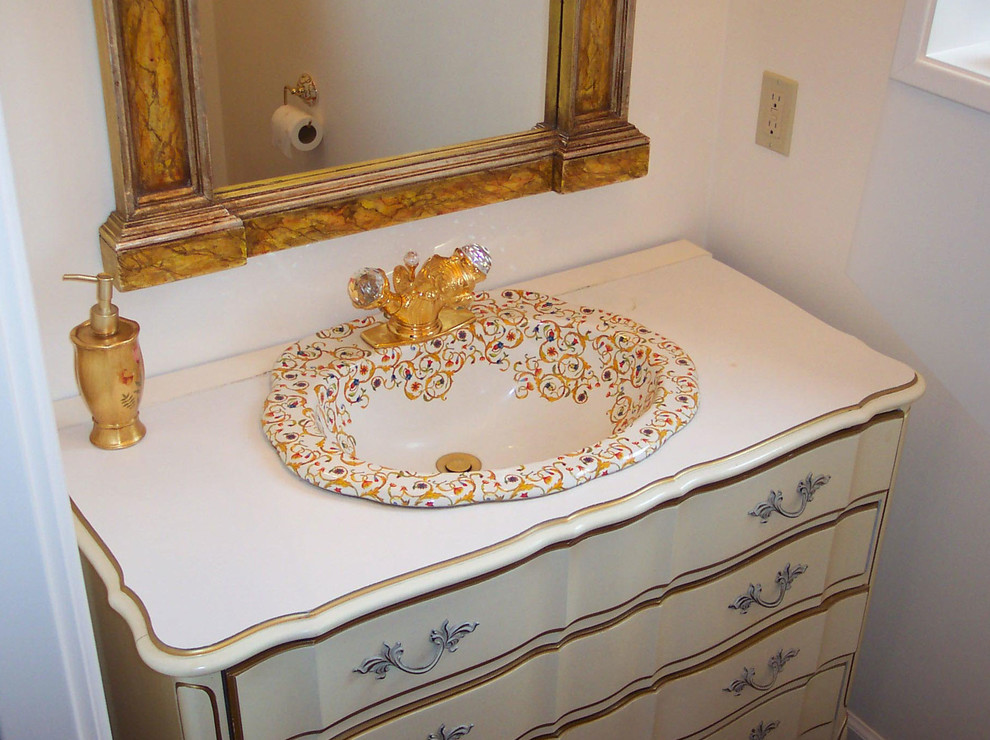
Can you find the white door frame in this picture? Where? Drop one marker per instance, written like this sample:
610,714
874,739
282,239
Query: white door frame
50,682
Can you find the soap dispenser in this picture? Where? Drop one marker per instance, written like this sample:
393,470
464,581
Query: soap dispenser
109,369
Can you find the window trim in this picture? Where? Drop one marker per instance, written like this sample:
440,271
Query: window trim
913,65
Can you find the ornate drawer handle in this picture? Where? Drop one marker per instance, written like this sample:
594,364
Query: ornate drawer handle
752,596
444,638
806,491
456,734
776,665
761,732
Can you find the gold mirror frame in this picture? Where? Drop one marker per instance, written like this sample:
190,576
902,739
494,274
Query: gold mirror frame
170,223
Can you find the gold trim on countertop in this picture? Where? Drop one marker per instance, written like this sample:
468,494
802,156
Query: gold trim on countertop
330,605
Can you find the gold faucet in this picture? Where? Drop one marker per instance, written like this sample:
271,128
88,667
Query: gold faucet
423,302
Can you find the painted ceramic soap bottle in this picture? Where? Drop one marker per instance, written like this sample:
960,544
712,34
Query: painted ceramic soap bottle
109,369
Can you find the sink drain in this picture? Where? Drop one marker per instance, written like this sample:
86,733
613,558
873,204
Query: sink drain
458,462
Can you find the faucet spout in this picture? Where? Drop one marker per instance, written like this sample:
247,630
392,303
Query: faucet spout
423,301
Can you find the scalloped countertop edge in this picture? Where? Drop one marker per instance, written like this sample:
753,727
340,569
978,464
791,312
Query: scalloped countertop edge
212,551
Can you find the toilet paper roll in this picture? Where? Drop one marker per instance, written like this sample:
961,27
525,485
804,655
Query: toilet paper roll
297,129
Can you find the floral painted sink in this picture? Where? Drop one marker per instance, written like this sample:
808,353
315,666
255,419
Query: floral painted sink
535,396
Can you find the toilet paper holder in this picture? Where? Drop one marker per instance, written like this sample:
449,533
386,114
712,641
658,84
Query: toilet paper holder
305,89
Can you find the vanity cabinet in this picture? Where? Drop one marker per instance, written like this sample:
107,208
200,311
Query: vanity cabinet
673,605
716,590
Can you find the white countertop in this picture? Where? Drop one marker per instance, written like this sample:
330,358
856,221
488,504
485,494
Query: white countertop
224,552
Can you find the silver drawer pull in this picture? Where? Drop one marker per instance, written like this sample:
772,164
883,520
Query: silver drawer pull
806,491
444,638
776,665
753,595
760,732
456,734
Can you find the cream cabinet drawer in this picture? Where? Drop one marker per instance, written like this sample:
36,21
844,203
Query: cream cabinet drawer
341,679
801,712
771,501
792,713
426,648
507,707
706,618
777,718
783,659
588,681
658,649
686,627
693,538
636,721
584,676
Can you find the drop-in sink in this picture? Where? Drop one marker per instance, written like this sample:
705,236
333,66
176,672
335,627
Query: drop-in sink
535,396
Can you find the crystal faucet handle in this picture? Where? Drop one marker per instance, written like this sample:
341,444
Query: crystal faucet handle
366,287
478,256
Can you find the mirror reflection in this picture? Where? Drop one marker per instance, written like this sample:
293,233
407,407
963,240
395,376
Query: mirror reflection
394,77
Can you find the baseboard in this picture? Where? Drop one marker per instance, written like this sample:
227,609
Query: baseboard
859,730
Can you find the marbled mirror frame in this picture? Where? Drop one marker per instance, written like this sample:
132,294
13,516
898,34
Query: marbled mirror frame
170,223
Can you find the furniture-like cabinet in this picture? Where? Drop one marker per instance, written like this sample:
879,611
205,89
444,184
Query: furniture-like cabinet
725,599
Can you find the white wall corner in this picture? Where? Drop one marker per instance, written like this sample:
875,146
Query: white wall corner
912,41
859,730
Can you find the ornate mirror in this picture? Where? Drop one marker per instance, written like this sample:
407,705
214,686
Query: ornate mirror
171,220
386,78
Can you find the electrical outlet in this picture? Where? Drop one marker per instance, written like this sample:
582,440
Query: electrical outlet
775,124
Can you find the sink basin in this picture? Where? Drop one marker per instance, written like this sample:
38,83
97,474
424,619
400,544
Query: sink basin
535,396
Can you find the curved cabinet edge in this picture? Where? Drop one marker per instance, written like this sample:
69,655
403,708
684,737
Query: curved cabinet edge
236,648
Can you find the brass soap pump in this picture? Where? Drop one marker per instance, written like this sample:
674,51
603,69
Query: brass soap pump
109,369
